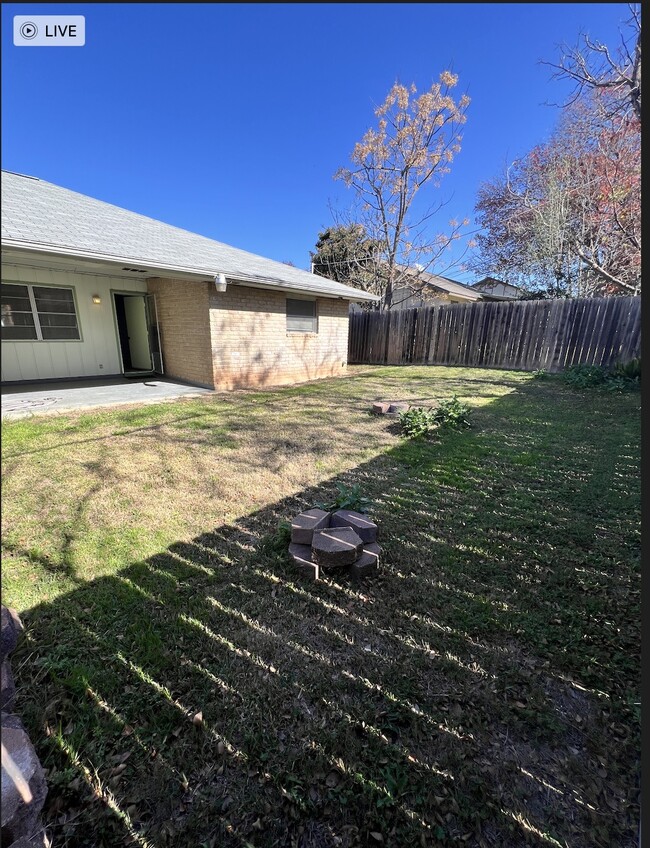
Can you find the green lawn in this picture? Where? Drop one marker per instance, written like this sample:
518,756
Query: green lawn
482,690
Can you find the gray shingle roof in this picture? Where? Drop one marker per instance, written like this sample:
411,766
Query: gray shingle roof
487,284
447,285
451,286
40,214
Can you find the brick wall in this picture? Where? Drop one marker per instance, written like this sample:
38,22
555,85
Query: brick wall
184,319
251,345
239,339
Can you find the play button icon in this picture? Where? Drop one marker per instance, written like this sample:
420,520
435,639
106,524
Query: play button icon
29,30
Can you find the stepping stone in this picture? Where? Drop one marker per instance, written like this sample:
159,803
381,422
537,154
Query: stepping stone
367,563
336,547
301,555
394,408
380,408
365,529
303,525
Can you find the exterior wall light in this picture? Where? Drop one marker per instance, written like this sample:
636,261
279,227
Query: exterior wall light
96,298
220,283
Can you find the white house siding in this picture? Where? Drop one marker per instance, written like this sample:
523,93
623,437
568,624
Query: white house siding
96,354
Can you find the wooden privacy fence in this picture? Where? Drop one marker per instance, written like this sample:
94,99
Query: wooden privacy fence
525,335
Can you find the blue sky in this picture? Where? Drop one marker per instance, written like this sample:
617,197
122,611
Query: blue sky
230,119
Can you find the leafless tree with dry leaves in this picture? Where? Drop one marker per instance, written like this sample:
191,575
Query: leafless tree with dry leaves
413,145
592,65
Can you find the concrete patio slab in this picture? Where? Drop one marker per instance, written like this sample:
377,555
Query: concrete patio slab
27,399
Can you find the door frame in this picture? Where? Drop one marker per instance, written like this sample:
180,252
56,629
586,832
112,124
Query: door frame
153,326
149,298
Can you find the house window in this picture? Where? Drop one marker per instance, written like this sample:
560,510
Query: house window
301,316
38,313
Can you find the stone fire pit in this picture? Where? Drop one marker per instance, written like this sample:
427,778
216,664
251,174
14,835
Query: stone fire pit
340,542
384,407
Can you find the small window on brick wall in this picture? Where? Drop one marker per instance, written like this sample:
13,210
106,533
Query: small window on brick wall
301,316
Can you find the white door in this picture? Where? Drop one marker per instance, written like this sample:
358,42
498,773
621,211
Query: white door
155,345
138,330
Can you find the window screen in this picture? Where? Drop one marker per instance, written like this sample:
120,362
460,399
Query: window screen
38,313
17,317
301,316
56,313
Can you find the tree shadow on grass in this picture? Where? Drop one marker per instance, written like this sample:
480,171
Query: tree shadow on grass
478,691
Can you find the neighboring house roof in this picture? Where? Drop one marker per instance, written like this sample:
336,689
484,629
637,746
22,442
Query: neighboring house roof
452,286
41,216
489,283
446,285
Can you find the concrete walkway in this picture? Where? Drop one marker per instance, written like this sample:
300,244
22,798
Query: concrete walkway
24,400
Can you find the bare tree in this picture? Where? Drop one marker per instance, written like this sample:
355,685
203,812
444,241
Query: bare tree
413,145
592,65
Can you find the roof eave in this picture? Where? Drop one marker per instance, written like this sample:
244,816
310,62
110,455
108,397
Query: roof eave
55,250
202,273
279,285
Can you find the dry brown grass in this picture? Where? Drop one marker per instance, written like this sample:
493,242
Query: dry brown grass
481,691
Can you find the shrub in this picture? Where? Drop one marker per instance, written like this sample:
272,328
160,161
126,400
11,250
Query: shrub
618,384
584,376
417,422
348,497
629,370
453,413
621,377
